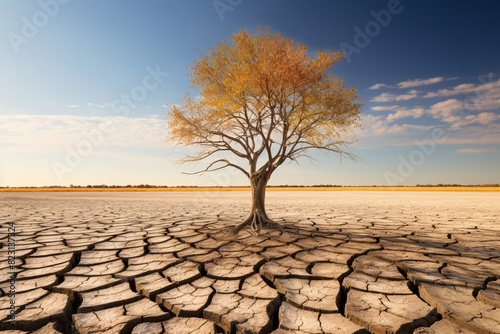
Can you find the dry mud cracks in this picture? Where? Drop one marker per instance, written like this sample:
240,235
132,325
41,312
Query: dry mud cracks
345,262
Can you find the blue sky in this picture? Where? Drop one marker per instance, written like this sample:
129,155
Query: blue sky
84,84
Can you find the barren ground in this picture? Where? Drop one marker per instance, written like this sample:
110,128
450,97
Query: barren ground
345,262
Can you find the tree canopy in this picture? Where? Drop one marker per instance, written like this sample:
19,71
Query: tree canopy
263,101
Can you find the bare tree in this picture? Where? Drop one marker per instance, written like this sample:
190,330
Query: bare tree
264,101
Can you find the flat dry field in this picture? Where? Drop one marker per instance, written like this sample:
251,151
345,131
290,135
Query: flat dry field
218,189
166,262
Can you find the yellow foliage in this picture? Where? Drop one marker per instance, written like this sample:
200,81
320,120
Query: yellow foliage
265,93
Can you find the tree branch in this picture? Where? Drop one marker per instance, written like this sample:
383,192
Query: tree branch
210,169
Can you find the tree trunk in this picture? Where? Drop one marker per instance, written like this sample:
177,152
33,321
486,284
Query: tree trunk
257,218
258,186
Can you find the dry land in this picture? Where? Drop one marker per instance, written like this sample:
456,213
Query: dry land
166,262
219,189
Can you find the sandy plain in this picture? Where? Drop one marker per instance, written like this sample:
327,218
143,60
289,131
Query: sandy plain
166,262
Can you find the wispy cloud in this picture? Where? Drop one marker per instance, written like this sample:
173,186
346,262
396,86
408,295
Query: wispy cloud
412,83
452,111
378,126
422,82
405,113
482,108
446,110
483,118
377,86
379,131
476,150
384,97
474,120
72,105
466,88
488,77
474,134
52,133
389,97
385,108
459,89
99,105
411,94
486,99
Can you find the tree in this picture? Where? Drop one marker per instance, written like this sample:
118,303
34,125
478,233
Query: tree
264,101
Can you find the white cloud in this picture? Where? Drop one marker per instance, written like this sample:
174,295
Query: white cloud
406,128
372,126
404,113
52,133
72,105
460,89
483,118
492,86
422,82
411,94
476,150
485,78
462,126
385,108
378,131
457,113
99,105
486,99
377,86
473,134
378,126
470,120
384,97
446,109
104,105
389,97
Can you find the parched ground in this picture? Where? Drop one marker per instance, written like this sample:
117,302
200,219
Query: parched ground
345,262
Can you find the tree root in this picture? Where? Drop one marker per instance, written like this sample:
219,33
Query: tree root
257,222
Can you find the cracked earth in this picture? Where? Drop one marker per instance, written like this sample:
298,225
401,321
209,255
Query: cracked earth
345,262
